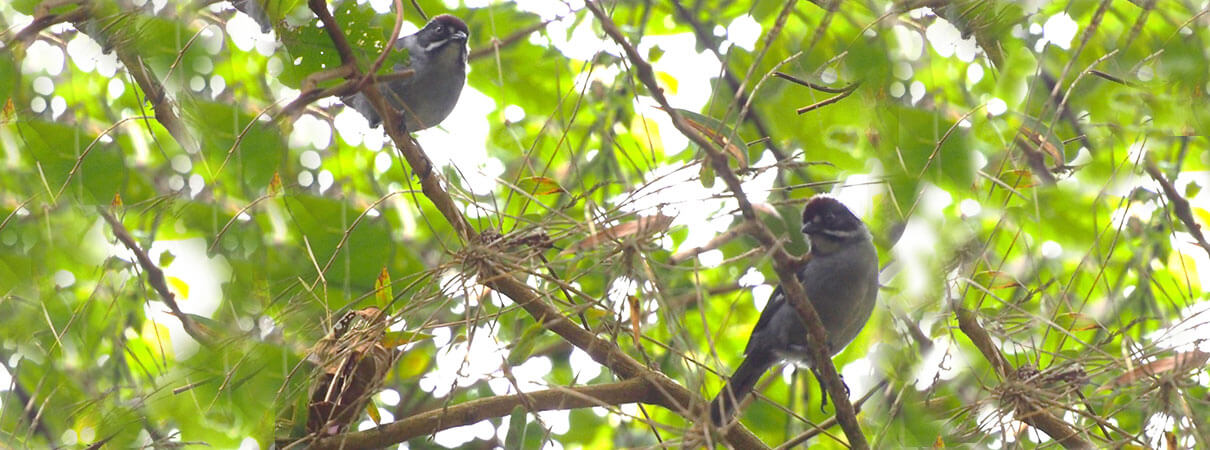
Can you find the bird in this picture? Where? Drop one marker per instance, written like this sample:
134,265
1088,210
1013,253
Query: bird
437,57
351,362
841,281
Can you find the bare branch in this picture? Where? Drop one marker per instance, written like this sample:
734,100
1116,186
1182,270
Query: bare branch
1180,206
783,263
1027,412
634,390
155,276
671,395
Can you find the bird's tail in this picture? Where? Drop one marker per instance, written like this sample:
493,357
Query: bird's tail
361,104
741,384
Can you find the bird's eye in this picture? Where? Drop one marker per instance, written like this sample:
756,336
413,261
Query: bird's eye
439,29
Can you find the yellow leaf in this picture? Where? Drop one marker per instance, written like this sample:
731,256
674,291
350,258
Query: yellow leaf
179,286
155,334
7,115
667,81
1202,216
595,314
117,201
373,412
275,184
413,364
1184,267
382,288
400,338
996,280
647,132
540,185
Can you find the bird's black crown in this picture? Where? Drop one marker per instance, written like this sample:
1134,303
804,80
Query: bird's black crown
446,24
826,215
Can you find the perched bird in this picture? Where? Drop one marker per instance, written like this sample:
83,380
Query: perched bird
437,57
351,362
841,281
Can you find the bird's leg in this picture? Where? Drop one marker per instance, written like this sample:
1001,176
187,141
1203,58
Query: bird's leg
823,399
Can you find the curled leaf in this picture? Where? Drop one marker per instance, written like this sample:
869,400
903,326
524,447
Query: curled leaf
719,133
394,339
641,227
635,316
540,186
382,288
1177,363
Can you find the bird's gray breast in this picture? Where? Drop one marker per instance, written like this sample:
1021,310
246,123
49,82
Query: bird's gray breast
428,91
842,287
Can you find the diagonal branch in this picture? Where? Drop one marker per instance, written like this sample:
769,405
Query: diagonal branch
783,263
155,276
153,90
1180,206
1027,412
497,44
43,20
669,394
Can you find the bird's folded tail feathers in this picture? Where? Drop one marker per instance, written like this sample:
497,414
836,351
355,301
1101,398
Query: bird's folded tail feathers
361,104
737,389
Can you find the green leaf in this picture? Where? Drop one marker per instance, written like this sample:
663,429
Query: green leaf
516,428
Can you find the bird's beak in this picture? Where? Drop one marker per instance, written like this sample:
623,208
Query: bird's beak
458,36
810,228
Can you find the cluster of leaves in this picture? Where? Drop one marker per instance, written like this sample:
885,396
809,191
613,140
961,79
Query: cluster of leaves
1015,178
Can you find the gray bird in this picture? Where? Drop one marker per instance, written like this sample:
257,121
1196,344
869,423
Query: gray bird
841,280
437,55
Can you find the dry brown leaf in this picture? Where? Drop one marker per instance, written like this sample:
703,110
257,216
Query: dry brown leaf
1179,362
643,226
635,316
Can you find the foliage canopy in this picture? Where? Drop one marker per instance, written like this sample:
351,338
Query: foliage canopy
1033,173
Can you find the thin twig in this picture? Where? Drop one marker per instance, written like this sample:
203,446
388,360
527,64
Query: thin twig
1180,206
849,91
155,276
815,86
783,263
667,392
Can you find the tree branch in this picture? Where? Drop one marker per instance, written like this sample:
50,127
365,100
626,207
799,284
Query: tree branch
783,263
634,390
1028,412
511,39
671,394
155,277
153,90
1180,206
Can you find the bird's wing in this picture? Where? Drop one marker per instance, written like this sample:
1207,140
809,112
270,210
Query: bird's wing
776,302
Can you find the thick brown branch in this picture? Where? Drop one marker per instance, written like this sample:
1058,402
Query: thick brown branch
634,390
670,394
783,263
43,22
